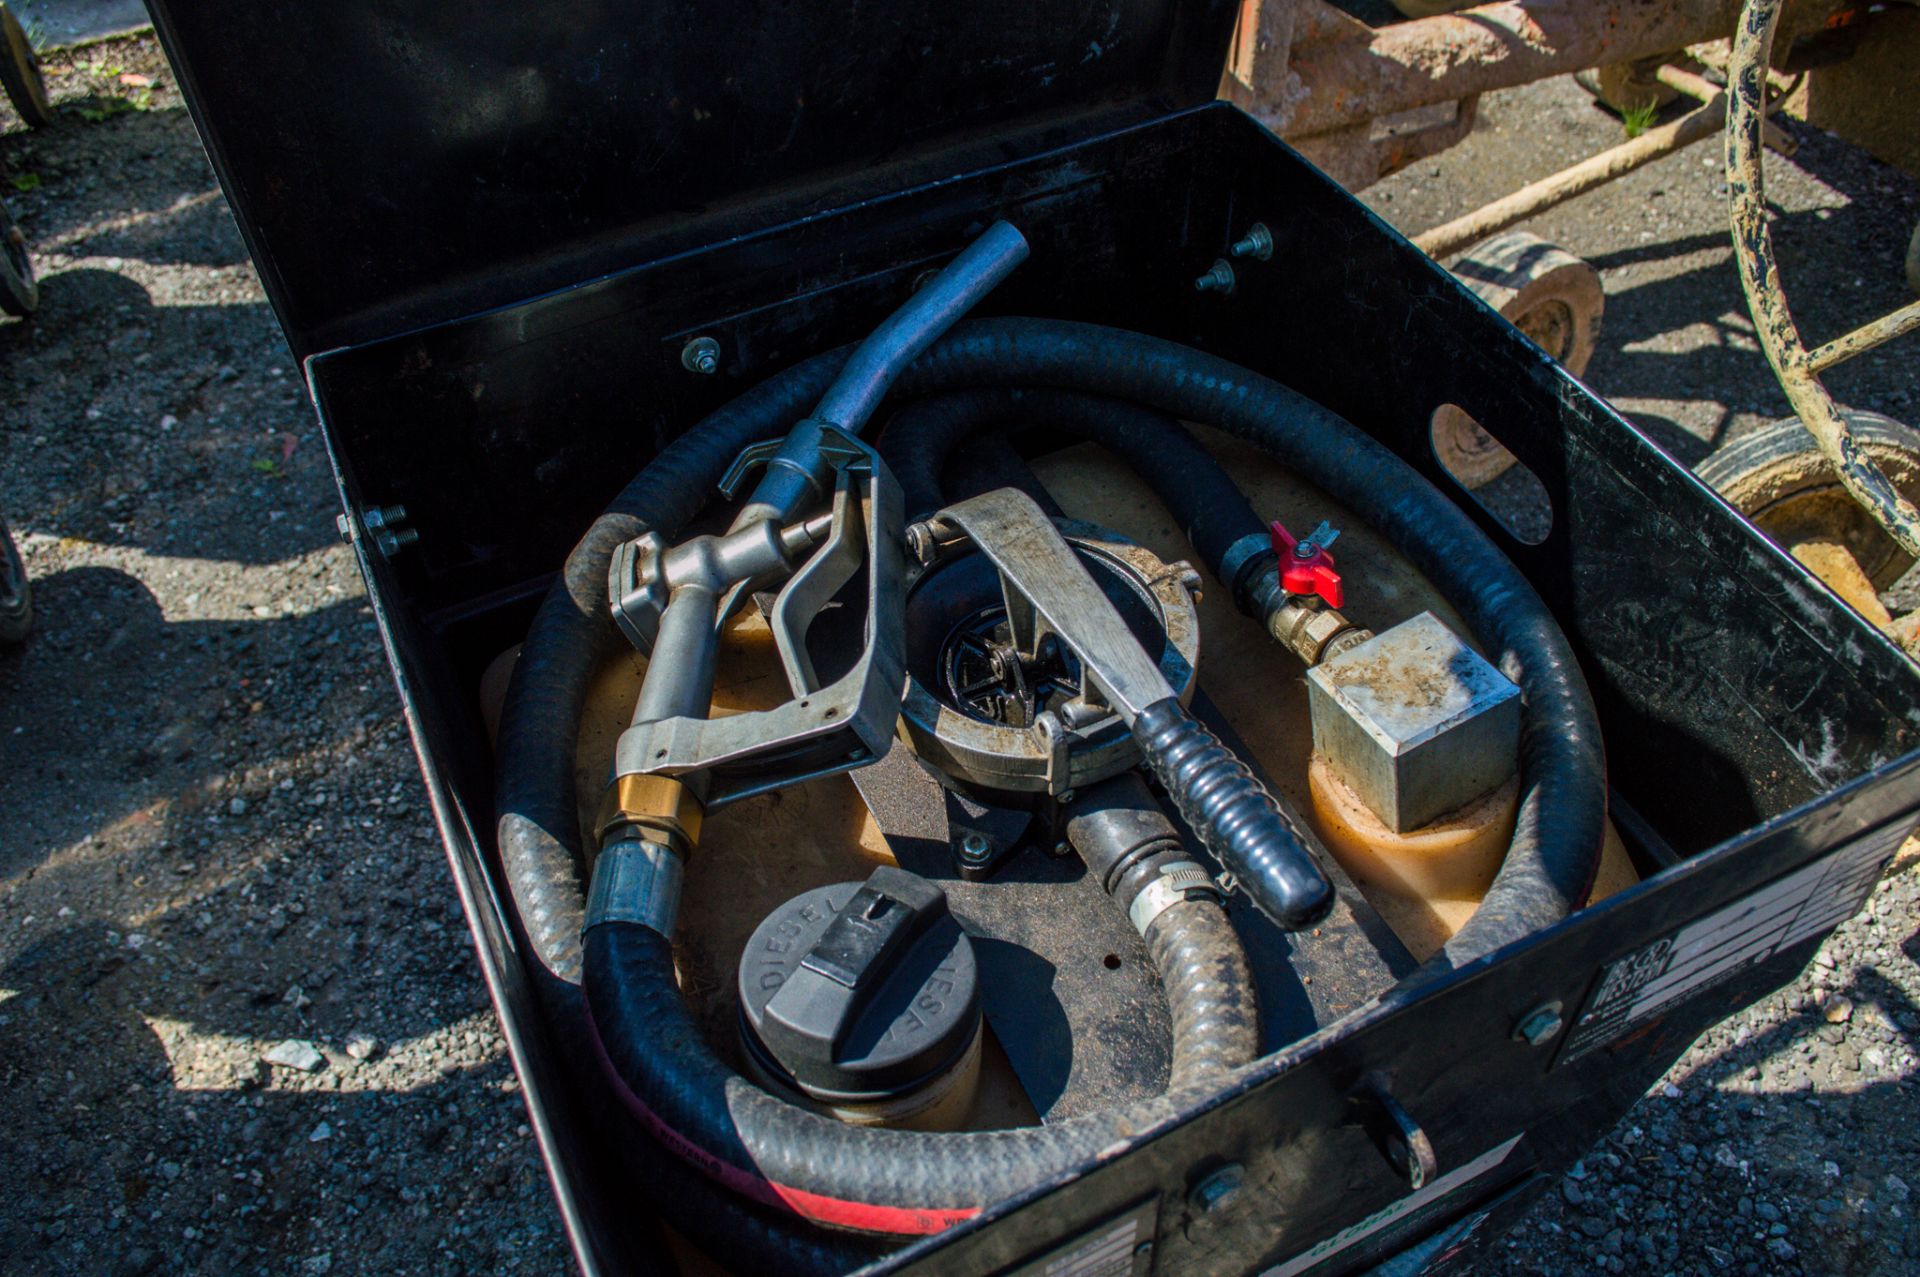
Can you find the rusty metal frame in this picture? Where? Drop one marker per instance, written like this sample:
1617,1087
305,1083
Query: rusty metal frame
1798,369
1357,100
1698,125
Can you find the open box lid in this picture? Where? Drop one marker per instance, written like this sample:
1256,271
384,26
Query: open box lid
395,163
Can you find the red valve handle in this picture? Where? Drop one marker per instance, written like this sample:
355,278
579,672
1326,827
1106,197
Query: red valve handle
1306,567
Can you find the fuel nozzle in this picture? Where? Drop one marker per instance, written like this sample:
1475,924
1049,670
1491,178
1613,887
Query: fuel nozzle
800,468
670,601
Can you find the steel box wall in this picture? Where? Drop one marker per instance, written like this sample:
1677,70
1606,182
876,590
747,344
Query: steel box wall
1755,721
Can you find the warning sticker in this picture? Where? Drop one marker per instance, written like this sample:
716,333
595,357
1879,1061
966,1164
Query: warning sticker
1807,902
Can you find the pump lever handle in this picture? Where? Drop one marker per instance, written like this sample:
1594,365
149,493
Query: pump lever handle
1046,586
1253,836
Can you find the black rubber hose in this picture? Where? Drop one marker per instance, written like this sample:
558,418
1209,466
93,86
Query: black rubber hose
1127,842
1556,845
926,437
926,434
997,464
538,827
865,1178
1209,989
650,1041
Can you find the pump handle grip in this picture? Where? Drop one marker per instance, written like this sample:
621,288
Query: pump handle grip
1249,833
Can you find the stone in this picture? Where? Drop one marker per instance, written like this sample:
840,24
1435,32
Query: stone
296,1054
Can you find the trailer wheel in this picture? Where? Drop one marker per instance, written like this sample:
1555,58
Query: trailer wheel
1622,87
20,73
19,290
1778,478
16,592
1552,297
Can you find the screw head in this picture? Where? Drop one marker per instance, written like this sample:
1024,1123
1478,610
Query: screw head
1257,243
1218,279
701,355
974,847
1217,1189
1540,1025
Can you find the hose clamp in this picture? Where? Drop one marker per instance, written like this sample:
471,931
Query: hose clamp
1233,564
1179,881
636,881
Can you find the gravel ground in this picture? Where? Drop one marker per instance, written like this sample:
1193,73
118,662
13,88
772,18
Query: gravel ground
1786,1140
241,1028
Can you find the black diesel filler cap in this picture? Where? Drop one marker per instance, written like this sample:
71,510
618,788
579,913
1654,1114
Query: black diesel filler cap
860,991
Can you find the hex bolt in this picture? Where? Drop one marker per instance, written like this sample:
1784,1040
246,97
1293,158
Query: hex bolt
382,525
1217,1189
1257,243
1219,279
391,543
701,355
1540,1025
974,849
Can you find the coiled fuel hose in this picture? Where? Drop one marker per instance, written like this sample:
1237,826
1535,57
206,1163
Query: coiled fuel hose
811,1166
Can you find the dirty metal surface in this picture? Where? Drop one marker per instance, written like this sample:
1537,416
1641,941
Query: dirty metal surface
1065,981
1309,979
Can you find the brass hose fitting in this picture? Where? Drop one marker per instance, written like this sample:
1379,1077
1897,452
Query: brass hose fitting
658,809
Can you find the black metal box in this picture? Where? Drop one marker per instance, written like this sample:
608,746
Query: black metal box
488,235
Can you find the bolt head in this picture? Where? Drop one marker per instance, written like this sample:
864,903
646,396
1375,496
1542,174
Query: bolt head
1218,1189
1218,279
1257,243
1540,1026
922,544
975,847
701,355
